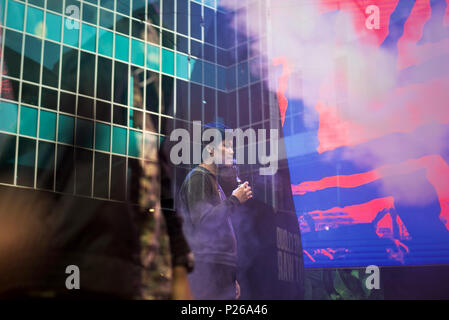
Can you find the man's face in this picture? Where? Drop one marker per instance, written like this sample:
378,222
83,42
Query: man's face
226,149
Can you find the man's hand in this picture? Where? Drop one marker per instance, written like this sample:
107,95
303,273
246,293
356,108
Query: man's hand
180,284
243,192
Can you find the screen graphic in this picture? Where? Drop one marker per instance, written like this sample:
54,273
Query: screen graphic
363,94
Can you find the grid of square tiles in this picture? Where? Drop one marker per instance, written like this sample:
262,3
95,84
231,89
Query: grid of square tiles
47,126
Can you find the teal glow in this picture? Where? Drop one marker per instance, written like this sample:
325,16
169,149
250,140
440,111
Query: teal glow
182,66
28,121
137,52
153,57
196,70
102,136
70,34
121,47
2,11
53,26
47,125
66,126
8,117
35,21
89,38
15,15
210,3
168,61
119,140
135,143
105,41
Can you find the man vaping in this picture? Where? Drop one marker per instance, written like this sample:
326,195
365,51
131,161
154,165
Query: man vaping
207,222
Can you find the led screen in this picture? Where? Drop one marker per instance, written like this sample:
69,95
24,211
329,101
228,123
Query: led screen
363,94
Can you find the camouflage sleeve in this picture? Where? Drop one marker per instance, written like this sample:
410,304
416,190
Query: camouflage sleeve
179,248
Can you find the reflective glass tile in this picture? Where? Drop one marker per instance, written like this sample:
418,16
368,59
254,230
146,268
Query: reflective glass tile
28,121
